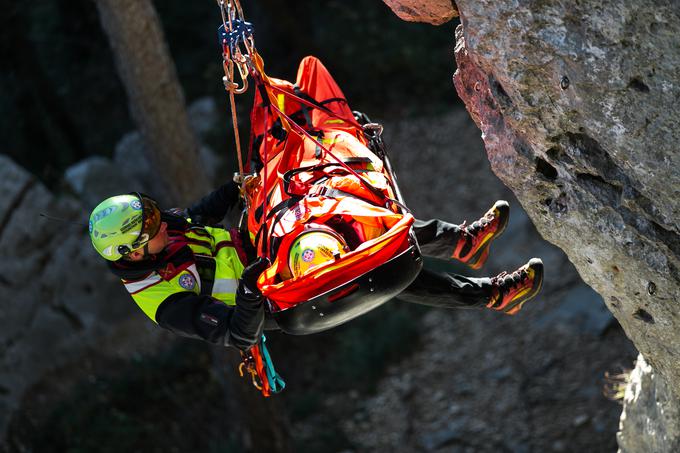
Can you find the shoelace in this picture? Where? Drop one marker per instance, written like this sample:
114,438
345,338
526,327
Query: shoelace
515,278
476,226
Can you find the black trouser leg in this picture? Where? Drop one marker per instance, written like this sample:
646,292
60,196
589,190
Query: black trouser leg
436,288
436,238
448,290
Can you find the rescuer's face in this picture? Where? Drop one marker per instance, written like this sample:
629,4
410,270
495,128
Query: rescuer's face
155,245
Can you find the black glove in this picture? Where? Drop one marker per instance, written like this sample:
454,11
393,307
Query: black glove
248,282
247,322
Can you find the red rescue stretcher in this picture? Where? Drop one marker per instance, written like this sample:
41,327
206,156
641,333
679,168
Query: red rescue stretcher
318,164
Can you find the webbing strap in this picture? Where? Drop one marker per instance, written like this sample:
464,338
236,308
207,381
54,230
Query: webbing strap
325,191
316,104
276,382
330,192
264,182
305,109
279,210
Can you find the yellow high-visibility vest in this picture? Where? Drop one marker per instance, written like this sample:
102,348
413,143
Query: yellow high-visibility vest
211,244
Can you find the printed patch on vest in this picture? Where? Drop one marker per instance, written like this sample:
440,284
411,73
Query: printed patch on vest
187,281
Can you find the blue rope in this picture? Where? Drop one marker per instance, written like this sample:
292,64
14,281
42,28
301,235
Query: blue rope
275,380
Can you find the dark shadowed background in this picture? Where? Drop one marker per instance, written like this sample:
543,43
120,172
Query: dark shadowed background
403,378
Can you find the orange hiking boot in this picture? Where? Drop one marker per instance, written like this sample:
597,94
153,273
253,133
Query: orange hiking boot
473,246
511,291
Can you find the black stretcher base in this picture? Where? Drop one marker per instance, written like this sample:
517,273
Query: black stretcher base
352,299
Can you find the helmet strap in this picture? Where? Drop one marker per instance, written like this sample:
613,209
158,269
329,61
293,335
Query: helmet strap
146,251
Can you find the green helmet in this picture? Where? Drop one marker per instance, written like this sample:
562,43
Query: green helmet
121,224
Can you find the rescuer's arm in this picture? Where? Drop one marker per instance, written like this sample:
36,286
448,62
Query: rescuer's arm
213,207
206,318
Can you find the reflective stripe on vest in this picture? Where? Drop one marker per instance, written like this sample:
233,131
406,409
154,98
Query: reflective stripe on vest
135,287
225,285
228,266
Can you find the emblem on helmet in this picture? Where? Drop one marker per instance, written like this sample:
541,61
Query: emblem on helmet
308,255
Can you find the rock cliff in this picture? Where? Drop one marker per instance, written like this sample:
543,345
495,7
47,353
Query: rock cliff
59,302
577,104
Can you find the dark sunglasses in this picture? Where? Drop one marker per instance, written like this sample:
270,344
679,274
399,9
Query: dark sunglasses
151,224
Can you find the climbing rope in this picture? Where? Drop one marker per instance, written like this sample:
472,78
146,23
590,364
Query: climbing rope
235,33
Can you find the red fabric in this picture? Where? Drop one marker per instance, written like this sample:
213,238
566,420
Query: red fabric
314,79
261,372
343,137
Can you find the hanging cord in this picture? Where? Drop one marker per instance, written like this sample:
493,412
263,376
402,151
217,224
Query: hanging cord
236,31
69,222
265,241
237,138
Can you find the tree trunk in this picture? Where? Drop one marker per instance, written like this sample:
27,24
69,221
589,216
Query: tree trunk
49,125
155,96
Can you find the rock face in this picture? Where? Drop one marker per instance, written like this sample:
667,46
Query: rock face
59,302
649,421
98,177
434,12
577,103
58,298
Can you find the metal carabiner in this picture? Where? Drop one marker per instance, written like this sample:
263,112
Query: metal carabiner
229,80
249,366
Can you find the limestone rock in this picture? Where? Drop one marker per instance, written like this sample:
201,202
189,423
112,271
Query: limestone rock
97,177
649,421
203,116
59,300
130,156
130,159
435,12
577,104
582,310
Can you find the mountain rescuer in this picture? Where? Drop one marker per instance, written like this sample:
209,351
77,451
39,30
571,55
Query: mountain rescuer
198,279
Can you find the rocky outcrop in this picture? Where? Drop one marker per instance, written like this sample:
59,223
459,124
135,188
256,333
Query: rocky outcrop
577,114
434,12
58,298
649,421
98,177
577,104
577,107
60,303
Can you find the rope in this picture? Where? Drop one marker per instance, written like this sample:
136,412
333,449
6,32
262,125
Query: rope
237,138
229,11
